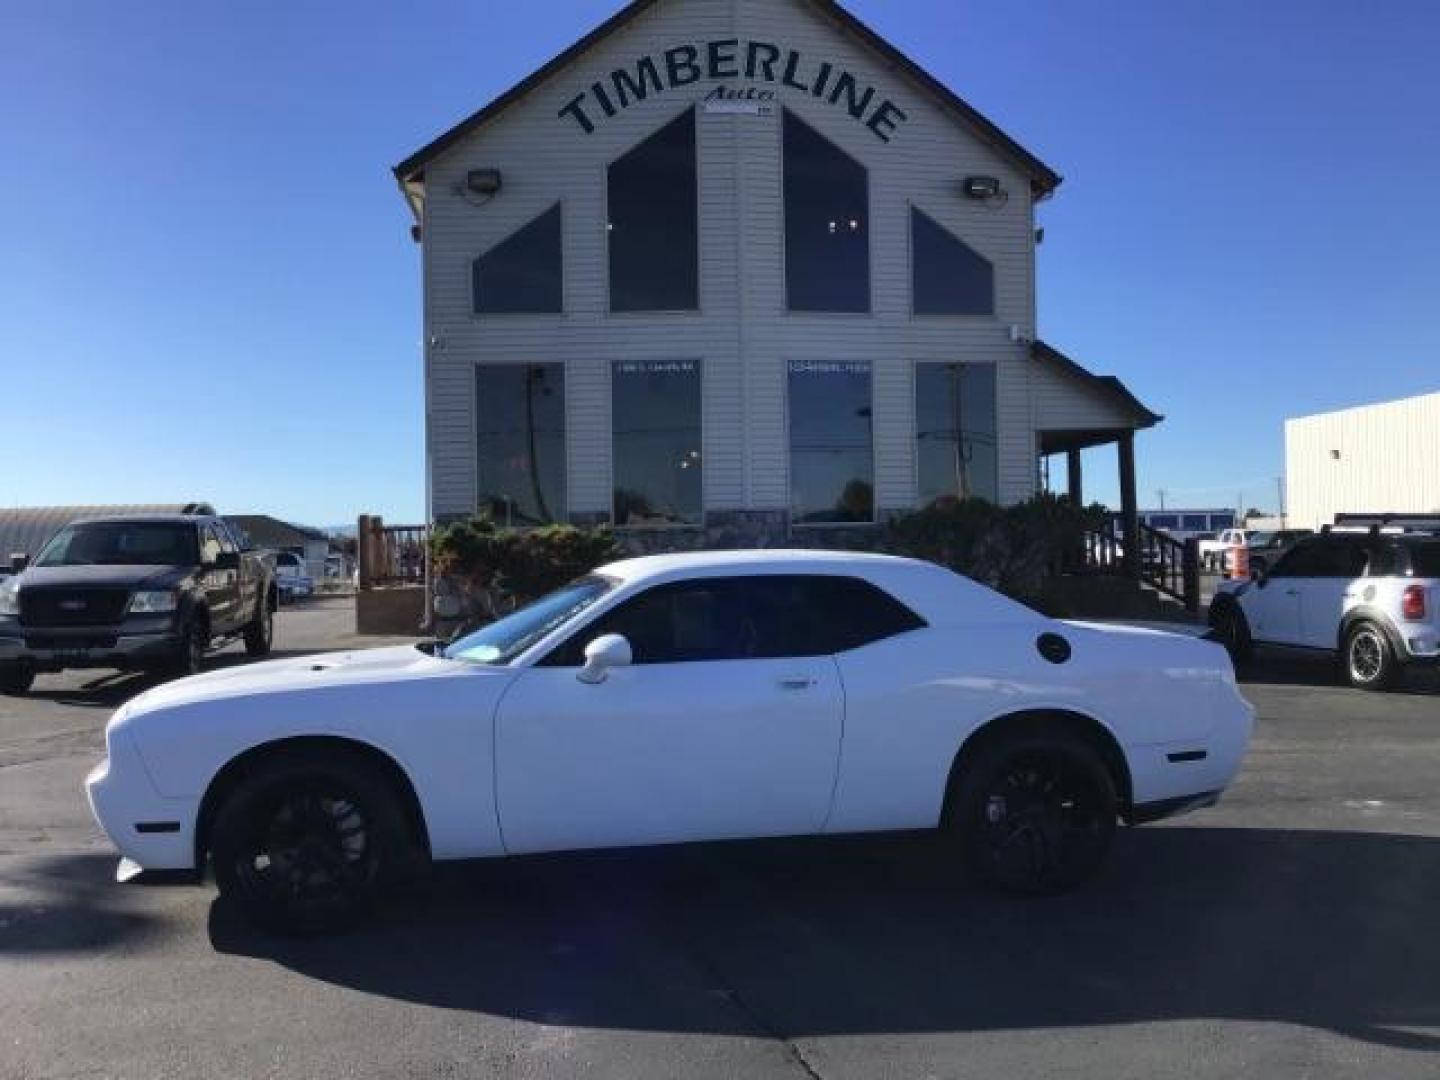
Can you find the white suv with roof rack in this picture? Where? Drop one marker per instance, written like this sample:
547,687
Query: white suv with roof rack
1371,598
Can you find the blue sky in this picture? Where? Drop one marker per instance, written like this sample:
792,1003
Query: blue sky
208,290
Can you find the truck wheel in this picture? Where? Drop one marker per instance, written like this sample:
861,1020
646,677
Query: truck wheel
15,679
189,655
304,844
1034,812
1368,659
261,632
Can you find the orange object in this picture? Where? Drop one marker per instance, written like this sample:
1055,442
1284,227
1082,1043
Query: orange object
1239,562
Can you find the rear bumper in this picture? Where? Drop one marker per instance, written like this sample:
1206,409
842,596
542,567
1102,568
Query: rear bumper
152,831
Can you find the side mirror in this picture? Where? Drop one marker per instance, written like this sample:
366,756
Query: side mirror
18,562
602,654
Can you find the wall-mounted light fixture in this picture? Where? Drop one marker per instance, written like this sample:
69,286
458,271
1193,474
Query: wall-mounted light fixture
983,187
483,182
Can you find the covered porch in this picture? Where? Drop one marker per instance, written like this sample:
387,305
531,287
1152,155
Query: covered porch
1077,410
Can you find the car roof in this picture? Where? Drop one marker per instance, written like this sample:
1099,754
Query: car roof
937,594
142,519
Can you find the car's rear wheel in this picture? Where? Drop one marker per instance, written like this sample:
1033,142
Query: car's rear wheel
1034,813
303,845
260,634
1229,628
1369,661
16,678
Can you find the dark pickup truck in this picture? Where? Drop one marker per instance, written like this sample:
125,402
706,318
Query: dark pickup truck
139,593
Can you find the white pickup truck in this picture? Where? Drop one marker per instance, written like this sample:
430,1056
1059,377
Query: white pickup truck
1212,552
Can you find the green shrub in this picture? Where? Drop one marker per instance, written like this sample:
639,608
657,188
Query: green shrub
501,568
1013,549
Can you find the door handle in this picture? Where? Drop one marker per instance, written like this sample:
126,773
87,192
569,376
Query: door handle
1292,592
796,684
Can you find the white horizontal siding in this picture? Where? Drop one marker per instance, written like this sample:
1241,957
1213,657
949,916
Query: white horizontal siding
1373,459
743,335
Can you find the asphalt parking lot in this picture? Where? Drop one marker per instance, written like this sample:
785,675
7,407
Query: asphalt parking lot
1288,932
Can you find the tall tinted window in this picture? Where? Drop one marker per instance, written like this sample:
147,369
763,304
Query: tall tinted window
654,223
522,274
948,276
827,223
955,431
655,413
520,428
831,460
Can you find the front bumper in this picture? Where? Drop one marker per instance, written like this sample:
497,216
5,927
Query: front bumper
134,643
152,831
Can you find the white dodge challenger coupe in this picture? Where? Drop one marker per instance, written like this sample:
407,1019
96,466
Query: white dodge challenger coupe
673,699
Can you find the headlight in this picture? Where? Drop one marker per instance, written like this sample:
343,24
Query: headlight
10,597
152,603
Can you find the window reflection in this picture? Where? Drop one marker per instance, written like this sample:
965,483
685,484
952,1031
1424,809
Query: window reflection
655,413
654,222
522,273
831,439
949,277
955,432
520,429
827,223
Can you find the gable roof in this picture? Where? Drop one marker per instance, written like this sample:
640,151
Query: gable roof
1043,179
268,532
1107,385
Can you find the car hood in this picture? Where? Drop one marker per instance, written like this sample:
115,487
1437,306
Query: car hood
88,577
325,670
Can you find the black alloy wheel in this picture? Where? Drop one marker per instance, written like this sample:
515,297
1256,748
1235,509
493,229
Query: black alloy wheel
305,852
1230,629
190,655
1039,816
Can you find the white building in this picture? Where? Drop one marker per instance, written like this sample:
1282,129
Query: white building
1375,459
726,269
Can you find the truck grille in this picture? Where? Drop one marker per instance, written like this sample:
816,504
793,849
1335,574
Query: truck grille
72,607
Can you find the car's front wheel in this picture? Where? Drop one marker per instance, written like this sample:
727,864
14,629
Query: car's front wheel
302,845
1229,627
16,678
1034,812
1369,661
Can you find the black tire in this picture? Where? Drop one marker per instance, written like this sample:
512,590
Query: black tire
1034,812
16,679
189,655
1230,628
304,844
1367,659
260,634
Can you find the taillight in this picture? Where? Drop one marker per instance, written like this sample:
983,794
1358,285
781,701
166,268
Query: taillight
1412,603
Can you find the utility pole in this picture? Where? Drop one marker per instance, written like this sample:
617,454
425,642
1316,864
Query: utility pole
1160,493
1280,489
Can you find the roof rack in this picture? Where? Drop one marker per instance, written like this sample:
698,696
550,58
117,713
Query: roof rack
1389,523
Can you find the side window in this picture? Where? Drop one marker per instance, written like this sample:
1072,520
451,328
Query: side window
827,223
522,273
210,546
821,615
1384,561
1322,560
654,222
685,622
227,542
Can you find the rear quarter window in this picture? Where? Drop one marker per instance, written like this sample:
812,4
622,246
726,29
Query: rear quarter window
1425,561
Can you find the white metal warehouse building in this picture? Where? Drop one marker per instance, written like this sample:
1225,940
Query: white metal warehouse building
737,268
1375,459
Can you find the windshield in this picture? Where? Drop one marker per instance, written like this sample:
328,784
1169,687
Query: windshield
1262,539
121,544
507,638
